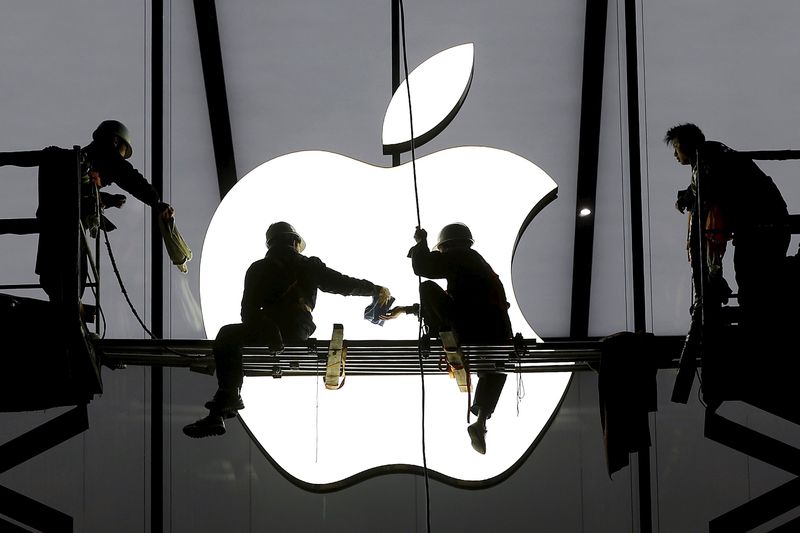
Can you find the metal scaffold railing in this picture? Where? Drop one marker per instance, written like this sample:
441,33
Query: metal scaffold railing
370,357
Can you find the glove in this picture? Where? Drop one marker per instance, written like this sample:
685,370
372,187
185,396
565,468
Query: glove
686,200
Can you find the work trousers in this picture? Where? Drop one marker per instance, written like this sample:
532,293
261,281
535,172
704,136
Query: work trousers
759,260
260,331
441,313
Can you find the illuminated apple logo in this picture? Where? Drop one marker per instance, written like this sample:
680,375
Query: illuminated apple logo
359,219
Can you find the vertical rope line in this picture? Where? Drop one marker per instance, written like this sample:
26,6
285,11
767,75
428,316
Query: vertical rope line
250,484
647,163
580,454
83,503
410,111
316,413
622,187
621,173
630,487
169,275
649,237
419,279
144,372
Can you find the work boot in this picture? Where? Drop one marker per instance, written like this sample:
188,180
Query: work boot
225,403
477,436
205,427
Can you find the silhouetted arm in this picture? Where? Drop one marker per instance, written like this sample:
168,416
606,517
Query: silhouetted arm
329,280
251,301
21,159
428,264
114,169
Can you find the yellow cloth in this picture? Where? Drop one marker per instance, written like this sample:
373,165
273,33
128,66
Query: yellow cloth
179,252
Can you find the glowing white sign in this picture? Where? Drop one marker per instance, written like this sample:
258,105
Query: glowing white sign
360,219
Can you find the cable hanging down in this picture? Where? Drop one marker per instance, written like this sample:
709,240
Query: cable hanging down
419,279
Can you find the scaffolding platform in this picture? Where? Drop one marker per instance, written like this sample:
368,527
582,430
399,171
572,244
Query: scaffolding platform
46,362
372,357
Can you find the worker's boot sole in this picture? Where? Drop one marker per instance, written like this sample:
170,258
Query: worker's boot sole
209,426
477,437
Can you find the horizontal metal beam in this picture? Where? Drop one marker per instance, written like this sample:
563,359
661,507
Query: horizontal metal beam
772,155
369,357
19,226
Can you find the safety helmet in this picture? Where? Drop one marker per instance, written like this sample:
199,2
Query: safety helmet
454,232
110,128
279,229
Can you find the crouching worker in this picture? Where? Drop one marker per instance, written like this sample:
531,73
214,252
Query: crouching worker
280,292
474,306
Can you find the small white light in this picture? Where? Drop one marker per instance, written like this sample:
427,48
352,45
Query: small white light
585,212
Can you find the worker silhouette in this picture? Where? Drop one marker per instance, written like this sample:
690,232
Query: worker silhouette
736,199
280,292
102,162
474,306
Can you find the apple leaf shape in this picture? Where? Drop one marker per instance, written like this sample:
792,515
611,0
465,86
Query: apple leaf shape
438,89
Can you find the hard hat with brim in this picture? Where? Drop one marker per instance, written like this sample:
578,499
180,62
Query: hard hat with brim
280,229
456,231
111,128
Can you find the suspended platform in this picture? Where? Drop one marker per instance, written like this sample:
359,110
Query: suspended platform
375,358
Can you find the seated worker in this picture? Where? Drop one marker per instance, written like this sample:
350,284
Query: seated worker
474,306
102,162
280,292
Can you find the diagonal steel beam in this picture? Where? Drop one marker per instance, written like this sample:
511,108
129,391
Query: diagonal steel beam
42,438
216,95
33,514
594,46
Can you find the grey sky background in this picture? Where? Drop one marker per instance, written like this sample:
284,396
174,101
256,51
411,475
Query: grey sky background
311,74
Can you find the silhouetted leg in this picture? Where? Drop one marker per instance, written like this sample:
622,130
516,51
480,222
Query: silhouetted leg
437,308
759,263
230,374
228,349
487,393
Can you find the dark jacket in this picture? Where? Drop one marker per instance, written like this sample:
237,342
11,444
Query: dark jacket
745,195
56,163
284,286
57,169
480,301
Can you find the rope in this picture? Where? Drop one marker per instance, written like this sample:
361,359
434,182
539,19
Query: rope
122,286
410,112
419,279
96,288
622,167
131,306
649,230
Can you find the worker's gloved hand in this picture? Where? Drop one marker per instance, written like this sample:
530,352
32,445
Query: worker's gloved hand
382,296
395,312
420,235
685,200
117,200
165,210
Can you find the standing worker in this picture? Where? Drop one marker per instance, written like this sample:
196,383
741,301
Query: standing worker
280,292
474,306
102,162
737,199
